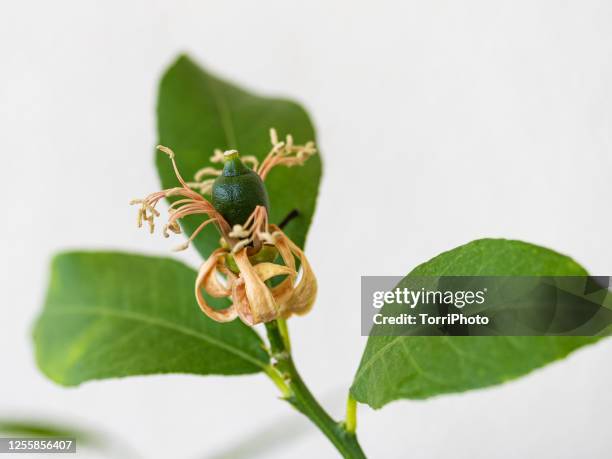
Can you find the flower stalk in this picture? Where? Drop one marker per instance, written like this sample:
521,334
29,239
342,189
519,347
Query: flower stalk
300,397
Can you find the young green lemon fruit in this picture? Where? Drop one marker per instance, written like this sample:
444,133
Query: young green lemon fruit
238,190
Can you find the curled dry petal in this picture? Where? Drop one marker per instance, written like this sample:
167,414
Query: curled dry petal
253,300
207,279
283,291
268,270
241,302
261,303
303,294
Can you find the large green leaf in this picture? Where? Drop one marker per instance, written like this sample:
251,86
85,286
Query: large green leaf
112,314
198,112
417,367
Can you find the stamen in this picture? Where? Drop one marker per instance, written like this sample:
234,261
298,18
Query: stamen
170,153
273,136
267,237
185,245
239,232
254,230
251,159
284,153
192,204
217,156
172,226
206,171
241,245
181,247
178,203
204,187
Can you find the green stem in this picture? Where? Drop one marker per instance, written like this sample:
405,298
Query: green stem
284,332
277,379
302,399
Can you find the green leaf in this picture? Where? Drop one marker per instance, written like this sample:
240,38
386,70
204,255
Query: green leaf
113,314
87,439
36,428
198,113
418,367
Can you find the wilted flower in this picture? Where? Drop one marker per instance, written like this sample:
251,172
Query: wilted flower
246,261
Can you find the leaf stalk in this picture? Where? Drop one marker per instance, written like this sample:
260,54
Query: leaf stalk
350,423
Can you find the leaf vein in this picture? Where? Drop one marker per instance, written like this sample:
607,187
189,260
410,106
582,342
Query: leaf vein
158,322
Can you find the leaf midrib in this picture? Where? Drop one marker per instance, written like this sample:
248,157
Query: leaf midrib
223,110
107,312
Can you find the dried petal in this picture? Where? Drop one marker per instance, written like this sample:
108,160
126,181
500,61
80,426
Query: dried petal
262,306
305,292
207,279
268,270
283,291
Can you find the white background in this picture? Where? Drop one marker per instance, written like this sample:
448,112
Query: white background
440,122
